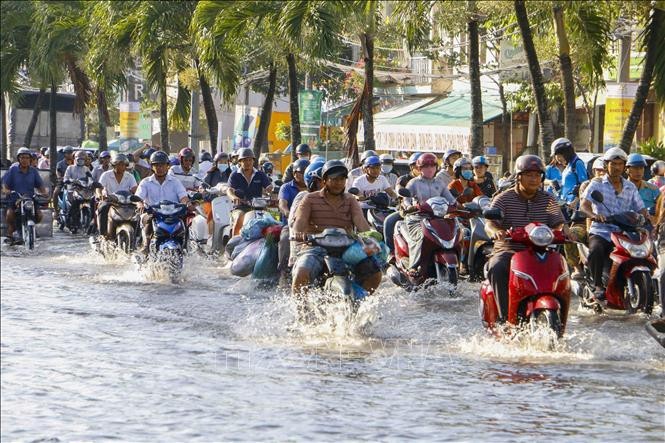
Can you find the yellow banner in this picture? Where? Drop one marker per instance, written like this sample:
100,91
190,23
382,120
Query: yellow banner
618,104
129,119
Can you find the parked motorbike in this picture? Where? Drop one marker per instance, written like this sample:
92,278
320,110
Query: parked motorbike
83,192
169,236
26,207
628,275
539,284
480,245
441,245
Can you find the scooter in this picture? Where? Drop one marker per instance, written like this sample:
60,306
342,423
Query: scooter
82,192
441,245
539,284
197,223
378,208
628,275
26,207
169,236
124,219
480,246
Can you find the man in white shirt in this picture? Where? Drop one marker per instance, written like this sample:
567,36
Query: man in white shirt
185,170
114,180
372,182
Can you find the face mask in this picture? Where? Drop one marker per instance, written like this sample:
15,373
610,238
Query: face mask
130,166
428,171
222,167
80,161
467,175
386,168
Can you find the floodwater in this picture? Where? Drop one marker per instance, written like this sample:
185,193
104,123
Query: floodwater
94,350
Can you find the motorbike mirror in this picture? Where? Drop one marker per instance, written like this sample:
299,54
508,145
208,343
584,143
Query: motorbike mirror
403,192
135,198
354,191
493,214
596,195
578,217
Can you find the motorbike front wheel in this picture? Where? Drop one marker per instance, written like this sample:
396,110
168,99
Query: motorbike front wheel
124,238
445,274
545,318
639,293
31,236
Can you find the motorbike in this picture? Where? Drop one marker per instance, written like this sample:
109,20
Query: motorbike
441,245
26,207
376,208
539,288
83,192
197,222
169,236
124,219
480,245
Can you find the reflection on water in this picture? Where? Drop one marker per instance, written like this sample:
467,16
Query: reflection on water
93,350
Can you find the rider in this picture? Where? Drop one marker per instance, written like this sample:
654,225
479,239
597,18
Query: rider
303,151
60,168
574,174
268,168
422,188
372,182
330,207
220,170
104,165
205,163
44,160
160,186
521,205
114,180
553,176
658,172
619,195
184,171
404,180
387,162
463,170
392,219
636,165
449,159
251,182
23,179
357,172
289,190
482,176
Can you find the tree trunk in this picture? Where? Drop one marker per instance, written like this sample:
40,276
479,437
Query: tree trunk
589,111
208,106
544,119
477,143
505,131
293,104
163,119
645,79
5,145
261,142
36,111
566,66
351,140
367,41
103,117
53,134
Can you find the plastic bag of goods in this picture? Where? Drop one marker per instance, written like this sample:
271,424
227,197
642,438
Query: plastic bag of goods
266,264
231,245
360,250
243,263
254,228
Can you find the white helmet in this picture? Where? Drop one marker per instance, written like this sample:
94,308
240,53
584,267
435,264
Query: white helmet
615,153
598,164
386,158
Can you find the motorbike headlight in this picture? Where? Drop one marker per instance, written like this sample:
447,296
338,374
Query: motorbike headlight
541,236
168,209
636,250
29,205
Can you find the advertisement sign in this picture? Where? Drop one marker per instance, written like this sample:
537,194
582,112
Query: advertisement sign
145,126
310,113
513,62
129,119
245,126
619,103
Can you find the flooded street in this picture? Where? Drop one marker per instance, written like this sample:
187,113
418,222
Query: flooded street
94,350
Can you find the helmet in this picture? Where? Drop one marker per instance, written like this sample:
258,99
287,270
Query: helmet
81,154
366,154
303,148
120,158
459,163
372,160
387,158
245,153
105,154
268,167
221,156
300,165
173,160
636,160
44,151
427,160
561,144
148,153
186,153
34,154
414,158
658,167
205,157
23,151
526,163
234,153
67,150
313,171
159,157
334,168
598,164
450,152
479,160
316,158
615,153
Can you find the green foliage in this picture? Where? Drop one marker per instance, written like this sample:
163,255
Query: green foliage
653,148
283,131
523,99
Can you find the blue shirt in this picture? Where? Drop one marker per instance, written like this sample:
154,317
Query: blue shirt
288,192
552,173
649,194
22,182
252,188
573,174
628,200
152,192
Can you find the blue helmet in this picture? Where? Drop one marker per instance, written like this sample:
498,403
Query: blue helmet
414,158
300,165
450,152
105,154
267,167
313,171
636,160
174,160
479,160
372,160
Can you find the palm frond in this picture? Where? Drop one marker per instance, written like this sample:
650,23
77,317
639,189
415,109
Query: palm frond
179,115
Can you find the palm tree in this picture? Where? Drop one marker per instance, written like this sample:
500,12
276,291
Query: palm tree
566,70
652,37
544,120
261,139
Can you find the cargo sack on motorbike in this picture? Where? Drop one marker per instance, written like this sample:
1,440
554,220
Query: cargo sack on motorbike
273,231
360,250
232,243
266,264
243,264
254,229
240,247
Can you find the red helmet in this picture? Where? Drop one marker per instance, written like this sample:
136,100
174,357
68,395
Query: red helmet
186,153
427,160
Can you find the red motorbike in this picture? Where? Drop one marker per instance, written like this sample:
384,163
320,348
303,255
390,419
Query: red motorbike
539,284
440,250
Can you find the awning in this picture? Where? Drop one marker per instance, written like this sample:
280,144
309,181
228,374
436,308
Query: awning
434,128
